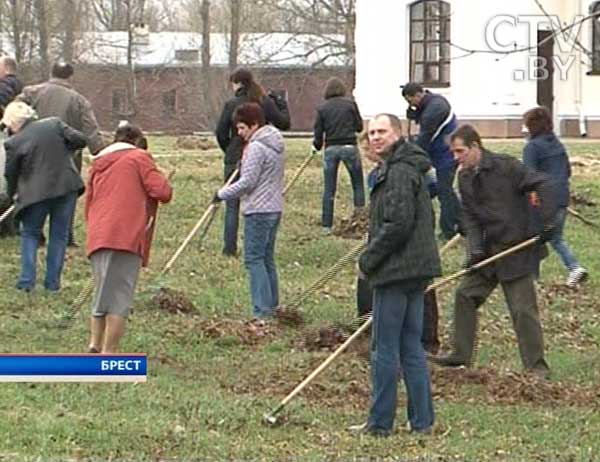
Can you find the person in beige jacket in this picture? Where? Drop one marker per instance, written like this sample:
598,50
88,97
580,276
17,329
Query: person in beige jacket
57,98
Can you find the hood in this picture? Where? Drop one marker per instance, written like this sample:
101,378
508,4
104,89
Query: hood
270,137
410,154
110,155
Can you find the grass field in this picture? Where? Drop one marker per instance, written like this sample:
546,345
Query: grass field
211,379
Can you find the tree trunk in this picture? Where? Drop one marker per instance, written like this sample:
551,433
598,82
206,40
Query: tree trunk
16,29
42,23
234,37
70,8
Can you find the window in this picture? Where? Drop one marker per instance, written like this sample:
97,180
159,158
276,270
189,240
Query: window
119,100
169,99
430,43
595,10
187,55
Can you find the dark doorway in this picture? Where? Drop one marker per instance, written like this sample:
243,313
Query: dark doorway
545,70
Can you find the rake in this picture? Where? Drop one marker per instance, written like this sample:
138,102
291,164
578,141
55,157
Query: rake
271,418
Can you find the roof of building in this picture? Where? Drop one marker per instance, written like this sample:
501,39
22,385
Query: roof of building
170,49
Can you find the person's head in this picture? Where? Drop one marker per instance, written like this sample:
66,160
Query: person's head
538,121
243,78
384,130
334,87
413,93
62,70
248,118
16,115
129,133
8,66
466,146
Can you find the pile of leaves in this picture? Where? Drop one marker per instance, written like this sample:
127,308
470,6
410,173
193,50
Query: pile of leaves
354,227
173,301
582,199
190,142
289,316
230,331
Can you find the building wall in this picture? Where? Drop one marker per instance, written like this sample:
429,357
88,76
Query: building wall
193,111
485,87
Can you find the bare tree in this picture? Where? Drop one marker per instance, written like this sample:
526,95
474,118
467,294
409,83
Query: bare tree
234,33
44,38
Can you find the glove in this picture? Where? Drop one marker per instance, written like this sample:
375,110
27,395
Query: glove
216,199
473,259
412,113
546,235
314,150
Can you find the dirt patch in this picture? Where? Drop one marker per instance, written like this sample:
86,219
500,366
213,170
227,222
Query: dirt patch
173,301
582,199
329,338
289,316
231,332
509,388
354,227
190,142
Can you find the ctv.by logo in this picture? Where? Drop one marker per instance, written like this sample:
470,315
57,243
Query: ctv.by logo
503,31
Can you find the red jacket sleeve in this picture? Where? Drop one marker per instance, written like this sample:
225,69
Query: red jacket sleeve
155,183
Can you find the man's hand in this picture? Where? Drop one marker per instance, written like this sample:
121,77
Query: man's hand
546,235
412,113
360,274
314,150
216,199
473,259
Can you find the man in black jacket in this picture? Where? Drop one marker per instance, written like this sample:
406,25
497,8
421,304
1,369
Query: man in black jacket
10,86
400,260
496,216
276,113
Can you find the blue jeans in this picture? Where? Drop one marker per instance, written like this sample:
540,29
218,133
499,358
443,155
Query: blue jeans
260,233
450,209
396,341
232,218
350,157
558,243
32,219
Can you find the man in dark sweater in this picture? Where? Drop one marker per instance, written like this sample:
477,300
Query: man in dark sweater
10,86
400,260
496,216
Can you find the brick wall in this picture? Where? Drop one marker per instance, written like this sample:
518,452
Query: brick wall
172,99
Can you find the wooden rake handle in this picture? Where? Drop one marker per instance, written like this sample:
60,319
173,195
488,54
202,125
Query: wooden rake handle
195,229
299,172
7,212
271,417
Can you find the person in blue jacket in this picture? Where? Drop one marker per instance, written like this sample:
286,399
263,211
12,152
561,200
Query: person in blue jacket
436,122
545,153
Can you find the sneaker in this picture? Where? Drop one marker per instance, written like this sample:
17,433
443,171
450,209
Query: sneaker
364,429
450,360
422,431
326,231
576,276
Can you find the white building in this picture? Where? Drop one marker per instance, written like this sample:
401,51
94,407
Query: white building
482,55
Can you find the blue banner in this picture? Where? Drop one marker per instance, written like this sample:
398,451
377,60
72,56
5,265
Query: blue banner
73,365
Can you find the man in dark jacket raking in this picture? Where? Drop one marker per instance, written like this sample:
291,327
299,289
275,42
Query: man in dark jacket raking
400,260
10,86
436,122
496,216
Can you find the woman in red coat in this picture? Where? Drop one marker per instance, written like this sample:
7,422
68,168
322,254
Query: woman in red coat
124,188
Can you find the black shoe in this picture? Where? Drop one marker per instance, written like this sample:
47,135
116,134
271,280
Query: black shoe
450,360
365,429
